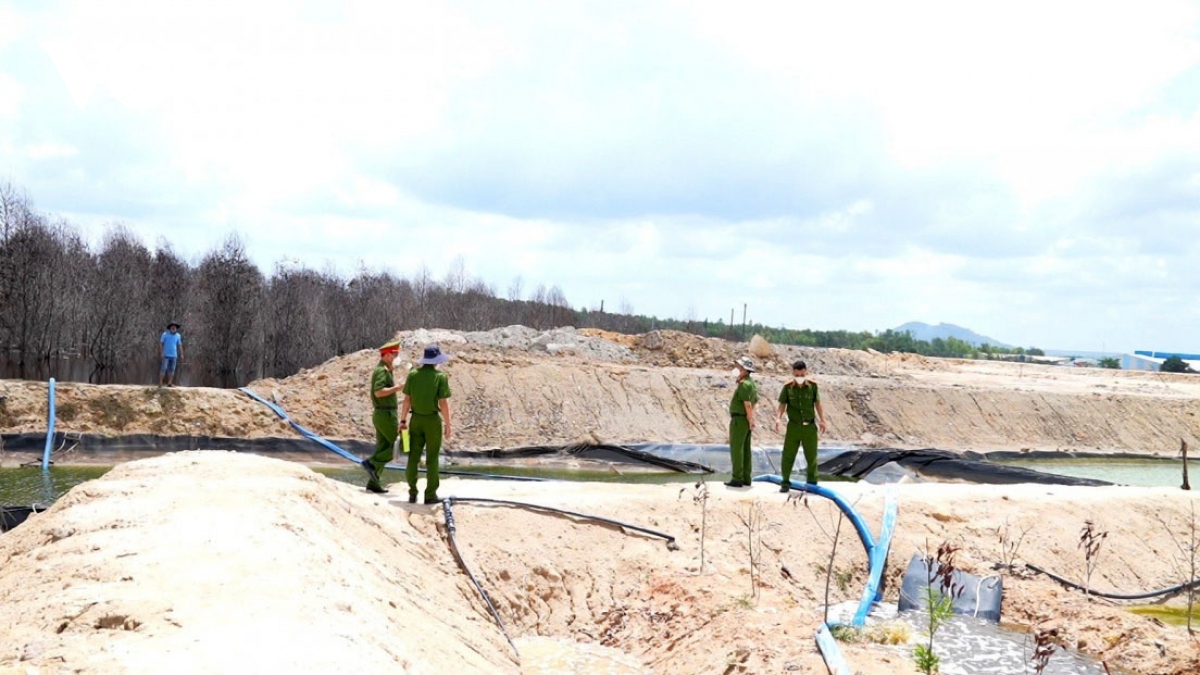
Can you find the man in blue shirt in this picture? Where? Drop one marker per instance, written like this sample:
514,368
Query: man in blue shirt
171,351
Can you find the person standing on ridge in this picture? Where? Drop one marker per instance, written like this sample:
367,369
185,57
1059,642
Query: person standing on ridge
741,422
387,424
427,397
170,352
801,400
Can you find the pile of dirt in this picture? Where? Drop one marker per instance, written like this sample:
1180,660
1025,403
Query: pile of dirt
130,409
515,386
208,562
221,562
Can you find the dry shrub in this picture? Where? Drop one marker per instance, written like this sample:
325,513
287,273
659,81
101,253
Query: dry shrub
890,633
760,347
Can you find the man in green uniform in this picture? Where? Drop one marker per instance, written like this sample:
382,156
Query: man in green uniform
801,400
383,399
741,422
426,395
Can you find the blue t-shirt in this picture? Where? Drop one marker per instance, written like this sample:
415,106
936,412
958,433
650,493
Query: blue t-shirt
170,343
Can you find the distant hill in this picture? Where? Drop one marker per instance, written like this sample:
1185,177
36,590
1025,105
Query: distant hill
923,331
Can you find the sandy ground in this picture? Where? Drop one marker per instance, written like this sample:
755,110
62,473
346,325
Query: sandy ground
211,562
207,562
515,387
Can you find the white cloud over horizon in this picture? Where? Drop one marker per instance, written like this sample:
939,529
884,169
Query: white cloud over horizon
1030,171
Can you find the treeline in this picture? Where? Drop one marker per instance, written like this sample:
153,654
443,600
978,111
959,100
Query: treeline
62,302
886,341
101,311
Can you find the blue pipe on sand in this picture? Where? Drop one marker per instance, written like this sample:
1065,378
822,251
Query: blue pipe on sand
343,453
50,415
877,551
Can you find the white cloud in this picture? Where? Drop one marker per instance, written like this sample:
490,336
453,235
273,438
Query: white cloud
839,165
50,150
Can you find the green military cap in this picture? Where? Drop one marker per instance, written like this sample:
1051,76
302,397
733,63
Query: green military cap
393,346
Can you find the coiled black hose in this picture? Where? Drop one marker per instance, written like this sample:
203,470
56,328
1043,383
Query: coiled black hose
1194,583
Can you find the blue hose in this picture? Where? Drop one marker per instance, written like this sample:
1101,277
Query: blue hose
860,526
50,415
873,592
877,551
834,661
346,455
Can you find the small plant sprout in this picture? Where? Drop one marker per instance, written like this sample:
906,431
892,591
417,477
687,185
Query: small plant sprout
1090,540
1010,544
1043,649
700,498
939,603
754,520
1187,557
842,577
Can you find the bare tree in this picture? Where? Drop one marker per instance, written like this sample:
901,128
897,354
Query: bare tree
297,334
36,285
119,308
170,285
515,288
227,341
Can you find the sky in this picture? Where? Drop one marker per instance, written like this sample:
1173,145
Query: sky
1029,170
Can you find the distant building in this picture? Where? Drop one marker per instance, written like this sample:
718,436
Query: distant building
1150,360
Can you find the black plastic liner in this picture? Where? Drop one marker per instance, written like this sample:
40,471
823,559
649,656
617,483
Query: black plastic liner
155,443
947,465
12,516
981,597
600,452
35,443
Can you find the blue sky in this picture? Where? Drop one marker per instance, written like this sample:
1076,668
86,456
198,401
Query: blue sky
1028,170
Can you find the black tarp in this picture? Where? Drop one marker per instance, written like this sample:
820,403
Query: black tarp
150,443
979,597
12,516
945,465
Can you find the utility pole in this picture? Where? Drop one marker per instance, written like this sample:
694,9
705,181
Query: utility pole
744,320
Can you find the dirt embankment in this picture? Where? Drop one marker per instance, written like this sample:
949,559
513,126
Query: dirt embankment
200,562
518,387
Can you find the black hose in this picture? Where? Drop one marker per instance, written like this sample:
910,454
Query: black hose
671,545
1194,583
446,504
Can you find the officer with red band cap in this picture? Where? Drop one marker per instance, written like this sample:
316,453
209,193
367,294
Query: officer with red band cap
385,417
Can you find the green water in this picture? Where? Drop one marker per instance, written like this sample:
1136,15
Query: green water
1141,472
30,485
1176,616
22,486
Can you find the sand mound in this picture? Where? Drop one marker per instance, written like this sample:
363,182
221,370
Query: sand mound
218,562
215,562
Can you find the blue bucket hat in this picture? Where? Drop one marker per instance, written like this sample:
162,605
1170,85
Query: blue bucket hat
433,356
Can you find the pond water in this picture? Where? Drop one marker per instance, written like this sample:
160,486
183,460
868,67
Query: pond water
22,486
971,646
1146,472
28,485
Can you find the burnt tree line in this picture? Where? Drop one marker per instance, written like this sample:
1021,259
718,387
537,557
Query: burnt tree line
74,313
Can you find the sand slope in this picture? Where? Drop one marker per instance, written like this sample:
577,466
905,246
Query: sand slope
223,562
666,387
205,562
